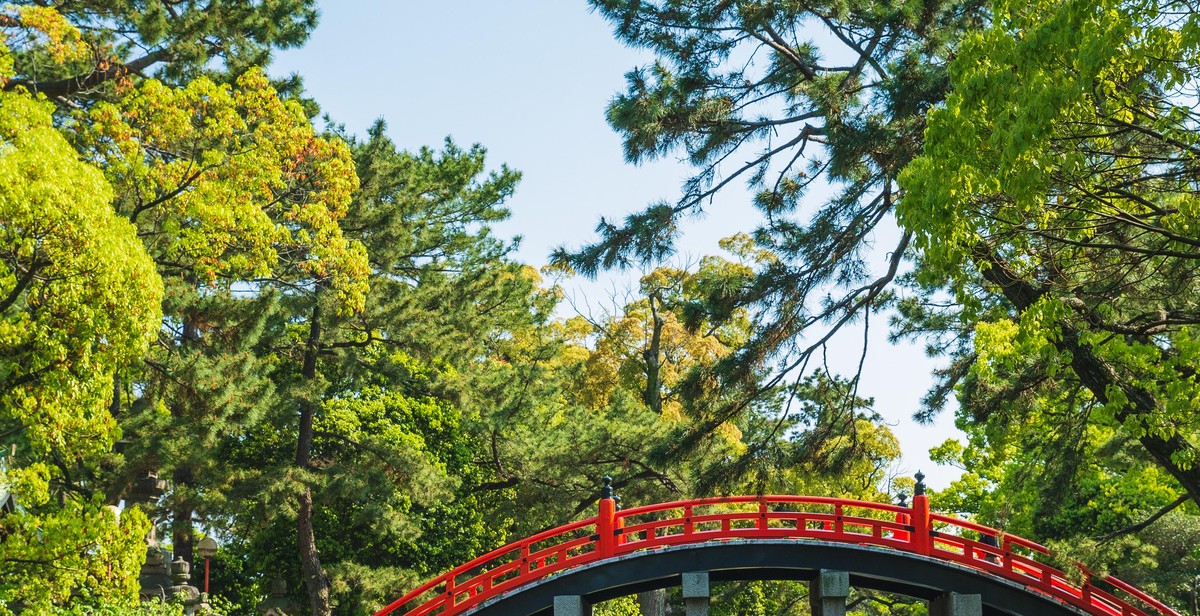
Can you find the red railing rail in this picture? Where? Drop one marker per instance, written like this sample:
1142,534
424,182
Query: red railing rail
910,529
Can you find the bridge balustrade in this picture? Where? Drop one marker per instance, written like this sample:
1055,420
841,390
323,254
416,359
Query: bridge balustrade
913,529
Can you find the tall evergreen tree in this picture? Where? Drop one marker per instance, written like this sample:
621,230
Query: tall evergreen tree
232,192
807,94
370,435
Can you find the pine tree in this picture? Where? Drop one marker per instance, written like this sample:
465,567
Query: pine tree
371,434
125,40
807,94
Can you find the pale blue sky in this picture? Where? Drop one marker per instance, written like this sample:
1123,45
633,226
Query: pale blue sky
529,79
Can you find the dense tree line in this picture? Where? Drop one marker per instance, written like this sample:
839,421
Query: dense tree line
313,337
317,339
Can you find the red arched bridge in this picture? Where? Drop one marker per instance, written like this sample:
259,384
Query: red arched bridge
961,567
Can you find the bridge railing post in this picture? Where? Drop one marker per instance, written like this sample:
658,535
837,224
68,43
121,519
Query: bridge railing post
450,591
606,521
922,539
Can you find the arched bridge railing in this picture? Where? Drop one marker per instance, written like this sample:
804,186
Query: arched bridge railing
912,529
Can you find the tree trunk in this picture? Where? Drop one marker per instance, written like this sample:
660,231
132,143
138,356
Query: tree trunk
181,515
653,602
310,562
652,395
181,518
315,577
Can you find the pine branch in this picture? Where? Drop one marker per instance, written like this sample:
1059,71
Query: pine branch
100,73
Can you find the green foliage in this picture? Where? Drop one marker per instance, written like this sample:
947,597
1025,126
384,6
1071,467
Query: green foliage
144,608
632,394
742,81
759,598
79,300
393,468
439,272
123,39
622,606
1056,200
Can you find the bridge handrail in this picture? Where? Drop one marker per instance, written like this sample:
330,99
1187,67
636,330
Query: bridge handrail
1130,589
1052,579
912,529
979,528
448,579
530,540
772,498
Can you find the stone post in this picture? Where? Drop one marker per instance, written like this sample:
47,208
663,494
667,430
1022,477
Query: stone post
696,593
278,603
827,593
954,604
571,605
155,578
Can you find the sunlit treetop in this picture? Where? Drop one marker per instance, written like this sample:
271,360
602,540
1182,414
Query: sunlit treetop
79,300
78,294
229,183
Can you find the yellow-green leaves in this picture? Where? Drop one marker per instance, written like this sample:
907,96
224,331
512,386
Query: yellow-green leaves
78,294
230,183
79,298
1045,77
1057,197
82,547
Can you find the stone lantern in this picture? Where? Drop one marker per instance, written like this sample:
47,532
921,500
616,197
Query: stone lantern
182,591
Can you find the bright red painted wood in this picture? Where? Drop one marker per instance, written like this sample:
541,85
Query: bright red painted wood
616,533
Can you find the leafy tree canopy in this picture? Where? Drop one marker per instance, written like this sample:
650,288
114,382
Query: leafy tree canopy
1057,200
79,299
